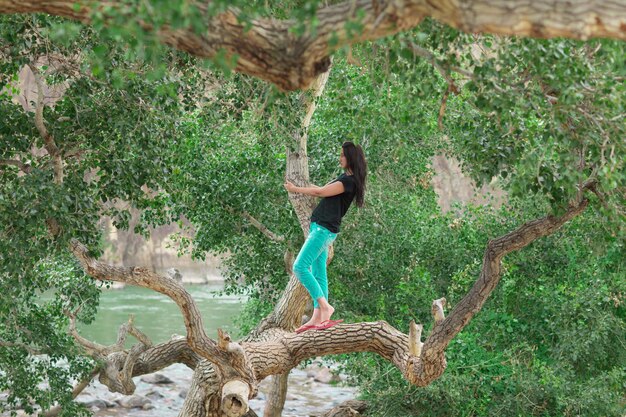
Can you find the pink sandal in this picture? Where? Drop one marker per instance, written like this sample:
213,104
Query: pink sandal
327,324
305,328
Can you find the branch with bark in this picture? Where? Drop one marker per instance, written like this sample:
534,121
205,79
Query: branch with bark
30,349
490,274
118,372
273,350
257,224
266,48
25,168
228,358
350,408
48,139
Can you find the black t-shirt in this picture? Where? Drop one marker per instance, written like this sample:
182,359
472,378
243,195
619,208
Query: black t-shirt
330,210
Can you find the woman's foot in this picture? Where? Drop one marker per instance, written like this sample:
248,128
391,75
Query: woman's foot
315,320
321,316
326,310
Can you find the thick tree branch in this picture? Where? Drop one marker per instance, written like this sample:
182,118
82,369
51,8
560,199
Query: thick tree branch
289,349
120,367
196,335
269,50
446,329
25,168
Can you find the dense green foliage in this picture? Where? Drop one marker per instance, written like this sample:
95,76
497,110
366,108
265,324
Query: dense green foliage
120,139
154,129
549,341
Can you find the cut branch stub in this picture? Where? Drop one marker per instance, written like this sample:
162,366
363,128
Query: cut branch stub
235,395
240,368
235,353
415,339
223,340
437,310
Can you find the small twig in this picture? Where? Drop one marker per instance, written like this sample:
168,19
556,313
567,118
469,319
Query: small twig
260,226
93,349
442,108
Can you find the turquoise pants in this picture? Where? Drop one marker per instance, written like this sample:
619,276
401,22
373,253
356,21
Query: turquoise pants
310,265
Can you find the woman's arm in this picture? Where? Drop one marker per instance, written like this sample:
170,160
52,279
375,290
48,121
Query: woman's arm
328,190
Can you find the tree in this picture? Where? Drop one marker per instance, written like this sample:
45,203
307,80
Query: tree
549,129
291,53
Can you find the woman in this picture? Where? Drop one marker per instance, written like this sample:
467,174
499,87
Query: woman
337,196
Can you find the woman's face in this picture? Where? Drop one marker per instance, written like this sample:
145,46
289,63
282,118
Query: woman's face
343,161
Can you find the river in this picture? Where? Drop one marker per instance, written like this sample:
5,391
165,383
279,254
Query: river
157,315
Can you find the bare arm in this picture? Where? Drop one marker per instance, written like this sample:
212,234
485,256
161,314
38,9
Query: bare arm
328,190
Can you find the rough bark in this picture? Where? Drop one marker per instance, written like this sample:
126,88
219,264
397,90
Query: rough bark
350,408
25,168
490,274
277,395
269,50
275,351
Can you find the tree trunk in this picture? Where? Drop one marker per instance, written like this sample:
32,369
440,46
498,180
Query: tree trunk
276,396
296,296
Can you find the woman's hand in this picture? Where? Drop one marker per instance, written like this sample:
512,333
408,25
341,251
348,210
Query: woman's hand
289,187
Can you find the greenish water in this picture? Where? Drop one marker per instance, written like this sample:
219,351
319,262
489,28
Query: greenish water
157,315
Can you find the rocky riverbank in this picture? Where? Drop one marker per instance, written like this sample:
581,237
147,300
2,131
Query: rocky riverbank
312,391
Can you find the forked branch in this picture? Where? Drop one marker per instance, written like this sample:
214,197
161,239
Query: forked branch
142,277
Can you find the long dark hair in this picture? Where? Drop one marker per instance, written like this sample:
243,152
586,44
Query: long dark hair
358,165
